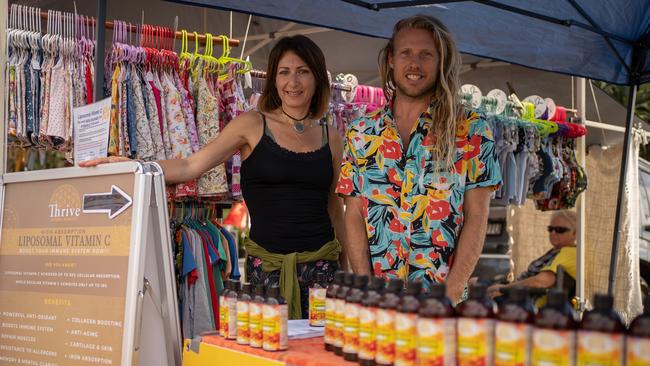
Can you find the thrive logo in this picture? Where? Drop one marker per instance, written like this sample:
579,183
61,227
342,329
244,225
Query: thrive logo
65,203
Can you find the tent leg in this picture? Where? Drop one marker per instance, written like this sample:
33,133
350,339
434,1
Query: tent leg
98,92
621,189
581,106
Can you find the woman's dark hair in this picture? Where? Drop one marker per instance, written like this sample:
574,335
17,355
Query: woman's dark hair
309,52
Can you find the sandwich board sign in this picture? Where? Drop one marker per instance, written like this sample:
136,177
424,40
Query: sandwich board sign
86,271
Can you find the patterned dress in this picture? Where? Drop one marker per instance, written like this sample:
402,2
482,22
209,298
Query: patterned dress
413,214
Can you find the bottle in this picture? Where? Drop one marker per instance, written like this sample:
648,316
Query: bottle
385,341
405,325
601,337
514,329
436,330
317,295
351,323
554,335
231,301
368,322
339,318
330,310
243,333
275,315
255,316
223,310
638,338
476,328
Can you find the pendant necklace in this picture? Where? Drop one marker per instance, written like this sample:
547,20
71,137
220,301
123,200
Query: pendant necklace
298,123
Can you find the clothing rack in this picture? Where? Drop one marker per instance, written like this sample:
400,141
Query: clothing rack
259,74
177,35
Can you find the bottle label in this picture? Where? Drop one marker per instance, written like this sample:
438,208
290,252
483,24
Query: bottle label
385,336
330,314
638,351
232,318
255,324
553,347
222,316
436,342
243,334
351,328
317,307
339,319
367,332
599,348
271,327
475,341
405,339
512,344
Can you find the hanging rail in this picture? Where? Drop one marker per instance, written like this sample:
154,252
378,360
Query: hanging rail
132,28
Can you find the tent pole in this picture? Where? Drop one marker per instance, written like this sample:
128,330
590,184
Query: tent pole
581,106
621,189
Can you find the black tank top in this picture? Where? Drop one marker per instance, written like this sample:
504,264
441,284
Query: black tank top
286,193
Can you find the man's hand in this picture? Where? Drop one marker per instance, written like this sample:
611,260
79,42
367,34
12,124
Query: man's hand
495,290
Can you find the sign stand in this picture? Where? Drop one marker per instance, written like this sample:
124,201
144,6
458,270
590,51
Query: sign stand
86,268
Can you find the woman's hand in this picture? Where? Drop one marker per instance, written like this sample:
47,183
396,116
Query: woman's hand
106,160
495,290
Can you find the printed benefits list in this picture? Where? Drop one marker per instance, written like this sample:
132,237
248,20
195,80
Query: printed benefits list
63,274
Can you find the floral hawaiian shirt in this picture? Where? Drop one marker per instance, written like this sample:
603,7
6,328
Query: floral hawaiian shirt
414,215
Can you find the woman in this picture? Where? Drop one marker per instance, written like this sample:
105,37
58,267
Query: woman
542,271
290,165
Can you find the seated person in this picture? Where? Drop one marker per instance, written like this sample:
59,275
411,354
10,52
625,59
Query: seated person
542,272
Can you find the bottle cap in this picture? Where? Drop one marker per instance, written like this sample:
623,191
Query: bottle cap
395,285
377,283
414,288
348,279
438,290
246,288
338,277
477,291
517,294
258,290
603,302
273,292
360,281
557,297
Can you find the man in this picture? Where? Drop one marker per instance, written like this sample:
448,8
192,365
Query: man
417,175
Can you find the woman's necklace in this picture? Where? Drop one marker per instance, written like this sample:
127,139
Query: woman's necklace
298,123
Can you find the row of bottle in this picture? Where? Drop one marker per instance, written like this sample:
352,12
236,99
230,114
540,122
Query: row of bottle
378,325
253,319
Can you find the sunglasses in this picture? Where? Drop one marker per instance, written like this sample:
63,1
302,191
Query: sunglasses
557,229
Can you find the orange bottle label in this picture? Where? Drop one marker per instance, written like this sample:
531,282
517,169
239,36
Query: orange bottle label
475,345
367,333
274,327
405,339
436,344
330,315
351,328
317,307
512,344
553,347
255,324
638,353
339,320
243,333
385,336
600,349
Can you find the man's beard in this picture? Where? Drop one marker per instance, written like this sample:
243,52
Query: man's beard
426,90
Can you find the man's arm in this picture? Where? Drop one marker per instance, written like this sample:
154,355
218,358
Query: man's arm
356,236
470,243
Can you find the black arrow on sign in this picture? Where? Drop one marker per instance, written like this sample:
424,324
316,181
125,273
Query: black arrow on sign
113,203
